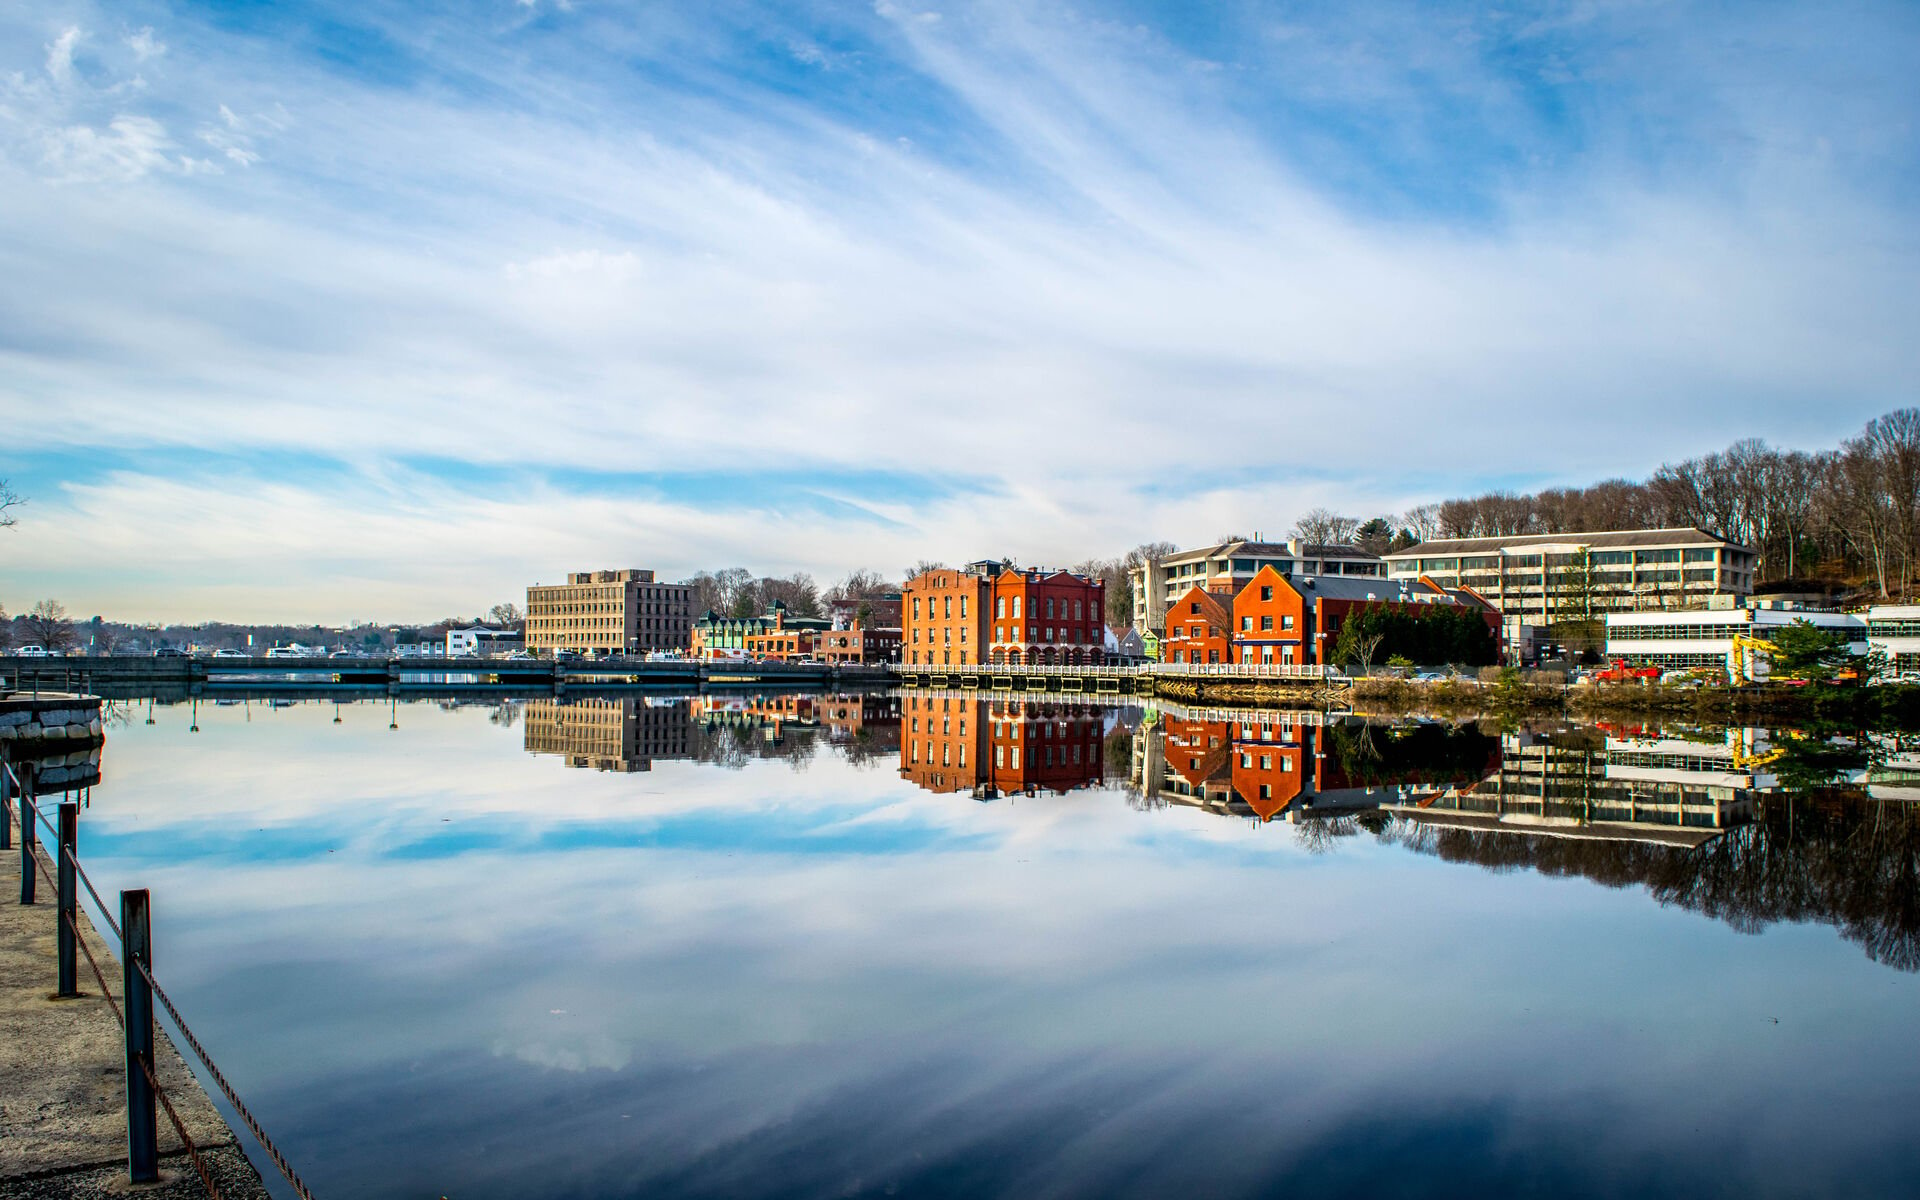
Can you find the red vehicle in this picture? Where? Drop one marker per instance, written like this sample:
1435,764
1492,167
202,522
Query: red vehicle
1619,672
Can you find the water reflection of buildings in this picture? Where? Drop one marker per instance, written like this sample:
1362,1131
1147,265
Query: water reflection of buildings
609,735
631,734
1595,783
1275,763
1000,747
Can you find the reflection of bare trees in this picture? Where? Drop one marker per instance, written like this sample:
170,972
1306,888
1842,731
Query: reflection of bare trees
1320,834
505,715
723,744
1840,860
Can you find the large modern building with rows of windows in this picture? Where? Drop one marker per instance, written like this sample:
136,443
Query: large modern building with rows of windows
1528,576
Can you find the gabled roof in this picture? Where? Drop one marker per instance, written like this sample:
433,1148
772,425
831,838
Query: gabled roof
1619,538
1213,606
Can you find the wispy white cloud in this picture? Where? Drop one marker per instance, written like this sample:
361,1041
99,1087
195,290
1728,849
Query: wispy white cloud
60,56
1088,266
145,46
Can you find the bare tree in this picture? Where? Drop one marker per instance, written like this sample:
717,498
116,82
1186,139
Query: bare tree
1895,441
48,625
506,616
861,585
9,499
1324,527
796,591
1422,522
923,566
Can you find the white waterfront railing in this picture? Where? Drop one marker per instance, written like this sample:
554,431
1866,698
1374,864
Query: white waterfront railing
1228,670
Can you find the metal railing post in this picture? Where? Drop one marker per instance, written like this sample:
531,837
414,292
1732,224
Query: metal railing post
136,950
28,867
6,799
69,904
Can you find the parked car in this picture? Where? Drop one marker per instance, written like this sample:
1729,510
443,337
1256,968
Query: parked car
34,652
170,652
231,654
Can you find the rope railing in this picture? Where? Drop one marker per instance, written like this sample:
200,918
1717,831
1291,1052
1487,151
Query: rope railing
226,1089
70,927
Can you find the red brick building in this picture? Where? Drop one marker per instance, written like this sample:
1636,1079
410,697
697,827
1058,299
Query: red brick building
998,613
858,644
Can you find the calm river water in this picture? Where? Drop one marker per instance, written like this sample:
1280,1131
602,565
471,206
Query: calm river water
926,946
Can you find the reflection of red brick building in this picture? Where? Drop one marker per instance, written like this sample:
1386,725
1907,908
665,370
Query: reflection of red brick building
940,743
858,644
1199,628
872,721
993,748
996,612
1265,765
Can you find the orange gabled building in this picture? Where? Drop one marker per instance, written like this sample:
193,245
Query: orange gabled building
1271,765
1199,628
1284,619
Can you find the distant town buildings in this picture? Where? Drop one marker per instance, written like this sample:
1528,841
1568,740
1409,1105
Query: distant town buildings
858,644
1229,566
609,612
872,612
484,642
773,634
995,612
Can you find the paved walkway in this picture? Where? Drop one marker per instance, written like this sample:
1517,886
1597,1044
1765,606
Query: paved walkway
63,1126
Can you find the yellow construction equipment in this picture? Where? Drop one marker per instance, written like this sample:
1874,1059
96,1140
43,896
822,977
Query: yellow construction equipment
1749,762
1740,658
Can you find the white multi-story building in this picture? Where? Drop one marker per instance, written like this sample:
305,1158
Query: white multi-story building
1704,637
1231,566
1894,630
1528,576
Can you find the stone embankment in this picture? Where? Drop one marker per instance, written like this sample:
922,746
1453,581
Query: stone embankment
48,720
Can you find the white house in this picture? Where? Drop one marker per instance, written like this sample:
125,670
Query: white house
481,642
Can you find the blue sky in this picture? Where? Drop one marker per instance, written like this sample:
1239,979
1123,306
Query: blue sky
318,311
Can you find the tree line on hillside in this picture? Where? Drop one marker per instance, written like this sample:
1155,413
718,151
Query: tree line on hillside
1852,512
737,592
